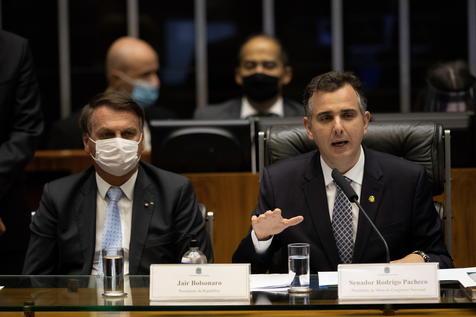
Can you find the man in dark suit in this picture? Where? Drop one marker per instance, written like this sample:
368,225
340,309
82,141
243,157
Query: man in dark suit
262,73
132,67
299,202
157,209
21,125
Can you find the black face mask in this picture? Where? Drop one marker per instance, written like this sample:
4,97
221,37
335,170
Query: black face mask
260,87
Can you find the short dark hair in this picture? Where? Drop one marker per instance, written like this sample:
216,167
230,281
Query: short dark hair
117,101
283,56
330,82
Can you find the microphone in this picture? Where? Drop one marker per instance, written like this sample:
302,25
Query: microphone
354,198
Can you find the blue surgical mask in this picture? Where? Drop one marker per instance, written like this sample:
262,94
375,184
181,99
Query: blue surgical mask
144,94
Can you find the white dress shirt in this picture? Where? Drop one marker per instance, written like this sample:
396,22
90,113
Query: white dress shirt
355,174
125,210
247,109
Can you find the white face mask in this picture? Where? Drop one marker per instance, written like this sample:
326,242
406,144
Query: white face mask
116,156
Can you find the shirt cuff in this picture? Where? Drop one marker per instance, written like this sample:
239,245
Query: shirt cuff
260,246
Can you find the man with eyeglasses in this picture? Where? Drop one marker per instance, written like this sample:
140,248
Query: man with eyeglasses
121,202
262,73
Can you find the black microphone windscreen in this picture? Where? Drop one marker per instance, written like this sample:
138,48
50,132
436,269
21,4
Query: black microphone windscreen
344,185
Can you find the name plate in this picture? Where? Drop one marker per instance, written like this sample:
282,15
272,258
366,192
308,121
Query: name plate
200,282
412,281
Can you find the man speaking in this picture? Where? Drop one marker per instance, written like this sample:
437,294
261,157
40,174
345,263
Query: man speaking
299,201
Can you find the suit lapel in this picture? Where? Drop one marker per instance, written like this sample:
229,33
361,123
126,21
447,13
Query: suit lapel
370,198
316,198
144,204
85,211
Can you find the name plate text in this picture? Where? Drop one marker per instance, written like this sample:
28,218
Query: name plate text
412,281
199,282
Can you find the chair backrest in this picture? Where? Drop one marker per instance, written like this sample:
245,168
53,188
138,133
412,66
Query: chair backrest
420,142
202,146
425,143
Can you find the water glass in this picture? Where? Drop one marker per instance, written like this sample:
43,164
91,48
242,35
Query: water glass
298,269
113,269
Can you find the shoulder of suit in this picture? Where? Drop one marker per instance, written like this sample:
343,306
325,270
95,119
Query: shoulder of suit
16,47
71,181
392,162
294,164
11,37
218,110
159,173
293,105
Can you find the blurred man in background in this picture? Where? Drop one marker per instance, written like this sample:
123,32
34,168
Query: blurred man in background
132,67
262,73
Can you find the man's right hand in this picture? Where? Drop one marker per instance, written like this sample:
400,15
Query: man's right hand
271,223
2,227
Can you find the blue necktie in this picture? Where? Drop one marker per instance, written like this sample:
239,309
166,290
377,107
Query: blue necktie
112,236
342,226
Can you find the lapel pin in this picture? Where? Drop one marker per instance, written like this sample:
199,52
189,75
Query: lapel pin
371,198
147,204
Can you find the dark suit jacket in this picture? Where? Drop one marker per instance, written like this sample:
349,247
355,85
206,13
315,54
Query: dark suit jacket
63,229
21,126
403,211
231,109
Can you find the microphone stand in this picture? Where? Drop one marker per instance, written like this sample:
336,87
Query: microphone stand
388,309
349,192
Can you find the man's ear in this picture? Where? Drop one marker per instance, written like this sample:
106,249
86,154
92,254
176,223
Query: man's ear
238,77
87,144
141,147
367,116
113,78
287,75
307,124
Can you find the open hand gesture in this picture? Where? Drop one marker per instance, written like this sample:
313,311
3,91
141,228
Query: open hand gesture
271,223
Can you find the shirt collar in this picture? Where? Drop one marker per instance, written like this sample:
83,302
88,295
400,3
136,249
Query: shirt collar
127,188
355,174
248,110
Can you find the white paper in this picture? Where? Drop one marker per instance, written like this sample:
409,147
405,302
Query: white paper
327,278
461,275
269,282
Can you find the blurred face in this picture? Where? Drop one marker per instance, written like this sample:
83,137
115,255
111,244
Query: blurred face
107,123
141,67
337,126
261,55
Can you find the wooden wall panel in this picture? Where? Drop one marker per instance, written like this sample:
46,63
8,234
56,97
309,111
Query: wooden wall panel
232,197
463,187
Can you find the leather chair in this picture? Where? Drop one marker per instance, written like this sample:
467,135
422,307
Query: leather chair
424,143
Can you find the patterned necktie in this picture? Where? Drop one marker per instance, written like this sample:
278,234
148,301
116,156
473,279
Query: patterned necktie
342,226
112,236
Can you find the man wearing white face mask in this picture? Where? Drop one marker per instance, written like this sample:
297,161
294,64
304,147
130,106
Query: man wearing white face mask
156,213
132,67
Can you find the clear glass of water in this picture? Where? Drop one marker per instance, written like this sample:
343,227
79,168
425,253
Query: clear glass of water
113,269
298,267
